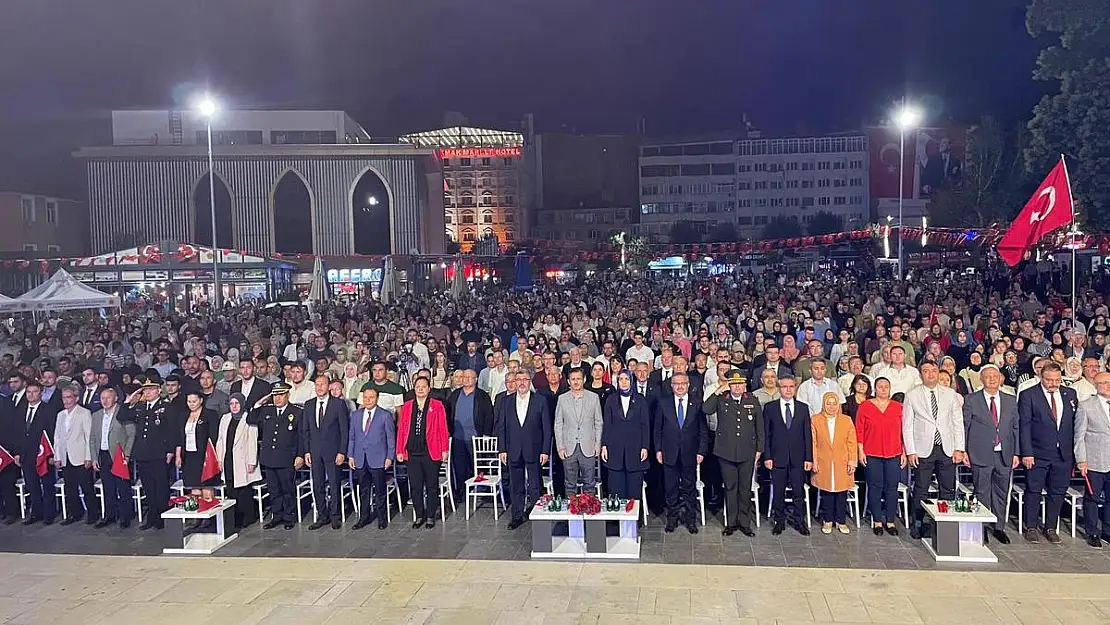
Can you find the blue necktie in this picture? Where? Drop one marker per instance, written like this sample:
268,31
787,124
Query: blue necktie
681,413
789,416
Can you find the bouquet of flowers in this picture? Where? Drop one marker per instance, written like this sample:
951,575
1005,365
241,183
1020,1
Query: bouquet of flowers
584,504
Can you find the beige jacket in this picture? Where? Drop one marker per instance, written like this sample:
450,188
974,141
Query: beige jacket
244,452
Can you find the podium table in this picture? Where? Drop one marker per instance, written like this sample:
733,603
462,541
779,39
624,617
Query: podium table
587,539
959,536
199,543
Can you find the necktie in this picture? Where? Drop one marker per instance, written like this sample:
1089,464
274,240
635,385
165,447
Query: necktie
681,412
88,396
1052,405
319,412
994,415
30,415
369,419
789,416
936,415
666,375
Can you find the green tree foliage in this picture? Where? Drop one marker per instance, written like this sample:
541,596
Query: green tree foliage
782,228
994,184
683,232
1075,120
825,223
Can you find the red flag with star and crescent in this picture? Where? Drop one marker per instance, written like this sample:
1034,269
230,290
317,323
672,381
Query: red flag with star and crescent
1049,208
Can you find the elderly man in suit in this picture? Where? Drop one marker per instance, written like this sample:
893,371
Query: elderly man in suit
71,455
1092,456
681,436
371,449
106,434
788,454
524,436
325,432
578,427
933,437
1047,442
991,426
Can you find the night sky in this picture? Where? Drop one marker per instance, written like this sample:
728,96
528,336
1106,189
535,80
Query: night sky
587,65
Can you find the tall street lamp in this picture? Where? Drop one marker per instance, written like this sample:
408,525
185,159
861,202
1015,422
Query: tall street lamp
907,119
208,108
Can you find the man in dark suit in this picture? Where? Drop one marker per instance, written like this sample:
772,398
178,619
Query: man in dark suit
553,387
1047,430
661,377
991,422
90,390
469,414
251,387
279,437
11,439
39,418
324,439
739,445
788,454
524,435
772,361
653,479
681,437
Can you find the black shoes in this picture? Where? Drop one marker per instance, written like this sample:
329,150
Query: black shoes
271,524
361,524
877,530
779,528
728,531
48,521
31,520
103,523
893,530
11,520
336,525
319,524
431,524
290,525
1094,541
692,528
515,523
915,532
145,525
383,524
672,524
124,524
1000,536
802,528
745,530
418,523
1031,535
1052,536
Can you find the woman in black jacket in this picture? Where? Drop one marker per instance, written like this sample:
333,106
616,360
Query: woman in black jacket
625,438
198,428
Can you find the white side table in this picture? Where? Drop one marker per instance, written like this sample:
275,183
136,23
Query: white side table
959,536
199,543
589,543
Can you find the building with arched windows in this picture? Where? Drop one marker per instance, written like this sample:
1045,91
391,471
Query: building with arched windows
310,182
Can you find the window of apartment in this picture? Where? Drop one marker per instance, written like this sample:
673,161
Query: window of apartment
823,165
856,200
745,203
304,137
506,160
467,218
761,167
232,137
823,183
744,220
838,165
485,162
761,202
28,206
725,187
807,184
792,201
855,164
791,184
760,184
744,185
696,170
466,182
509,217
840,200
674,189
760,220
30,247
744,168
51,212
777,201
776,184
447,219
658,171
724,169
792,166
53,248
487,217
806,202
838,183
468,236
465,162
509,200
807,166
446,162
595,234
824,200
487,199
855,182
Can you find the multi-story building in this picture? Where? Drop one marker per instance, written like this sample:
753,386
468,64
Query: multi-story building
581,227
43,226
310,182
748,182
482,182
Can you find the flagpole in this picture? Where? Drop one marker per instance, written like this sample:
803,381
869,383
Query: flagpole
1071,242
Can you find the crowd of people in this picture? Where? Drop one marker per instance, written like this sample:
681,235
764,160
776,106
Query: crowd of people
652,387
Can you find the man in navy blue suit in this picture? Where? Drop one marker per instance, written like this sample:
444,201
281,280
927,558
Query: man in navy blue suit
524,436
681,436
788,453
1046,428
325,433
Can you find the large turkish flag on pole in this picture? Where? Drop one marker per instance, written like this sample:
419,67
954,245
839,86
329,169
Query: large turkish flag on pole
1049,208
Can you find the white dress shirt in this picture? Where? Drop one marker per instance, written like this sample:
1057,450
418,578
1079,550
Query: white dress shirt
788,404
522,407
191,435
105,428
812,393
625,401
901,380
246,391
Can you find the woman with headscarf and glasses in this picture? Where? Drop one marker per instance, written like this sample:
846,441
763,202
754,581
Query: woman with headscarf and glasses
237,453
625,438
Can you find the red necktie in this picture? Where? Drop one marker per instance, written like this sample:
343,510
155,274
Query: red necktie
994,415
369,420
1052,404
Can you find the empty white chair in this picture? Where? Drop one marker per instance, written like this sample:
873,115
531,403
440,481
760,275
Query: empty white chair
487,462
60,493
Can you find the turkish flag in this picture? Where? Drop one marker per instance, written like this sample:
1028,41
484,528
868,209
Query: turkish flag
119,464
211,466
1050,207
6,458
46,451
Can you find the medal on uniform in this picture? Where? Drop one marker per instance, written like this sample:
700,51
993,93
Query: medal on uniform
157,421
290,422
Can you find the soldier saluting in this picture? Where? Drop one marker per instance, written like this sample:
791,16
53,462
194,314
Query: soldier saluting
279,436
738,446
154,448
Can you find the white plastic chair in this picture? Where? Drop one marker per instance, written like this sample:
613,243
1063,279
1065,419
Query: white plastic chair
487,461
137,495
21,492
60,493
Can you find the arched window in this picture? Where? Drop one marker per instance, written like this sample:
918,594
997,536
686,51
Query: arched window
468,235
487,216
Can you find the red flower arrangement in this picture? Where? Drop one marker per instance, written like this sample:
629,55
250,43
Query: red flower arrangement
584,504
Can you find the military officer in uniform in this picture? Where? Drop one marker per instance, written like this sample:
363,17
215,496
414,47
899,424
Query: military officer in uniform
279,427
738,447
155,434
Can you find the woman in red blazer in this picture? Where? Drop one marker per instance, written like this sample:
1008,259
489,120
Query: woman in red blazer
422,444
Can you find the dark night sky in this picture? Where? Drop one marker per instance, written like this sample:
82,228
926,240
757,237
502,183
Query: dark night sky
592,65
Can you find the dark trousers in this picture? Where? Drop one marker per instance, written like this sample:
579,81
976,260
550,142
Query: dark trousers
325,486
558,475
371,482
281,488
653,479
525,482
1053,476
40,490
462,466
77,476
794,477
992,486
737,477
1098,494
245,505
833,508
117,493
626,484
679,483
9,495
883,475
935,464
424,486
156,488
712,478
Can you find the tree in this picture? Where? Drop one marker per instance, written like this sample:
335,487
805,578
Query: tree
1074,120
723,232
782,228
825,223
683,232
993,184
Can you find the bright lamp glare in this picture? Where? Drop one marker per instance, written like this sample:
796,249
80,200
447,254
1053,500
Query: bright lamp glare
207,106
907,117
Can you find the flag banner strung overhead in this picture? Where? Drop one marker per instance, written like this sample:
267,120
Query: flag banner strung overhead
1049,208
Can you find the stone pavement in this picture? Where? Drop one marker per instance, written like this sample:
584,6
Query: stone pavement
119,590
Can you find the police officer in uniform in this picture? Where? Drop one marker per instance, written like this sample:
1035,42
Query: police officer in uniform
279,427
155,433
738,446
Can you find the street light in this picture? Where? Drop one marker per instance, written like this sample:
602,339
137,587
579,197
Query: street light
906,118
208,108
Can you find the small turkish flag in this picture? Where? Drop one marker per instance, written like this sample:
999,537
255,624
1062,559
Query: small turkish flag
211,466
119,464
6,458
46,451
1050,207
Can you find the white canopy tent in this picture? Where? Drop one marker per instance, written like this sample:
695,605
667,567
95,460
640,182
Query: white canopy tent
60,292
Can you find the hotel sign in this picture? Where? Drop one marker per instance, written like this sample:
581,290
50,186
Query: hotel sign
478,152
